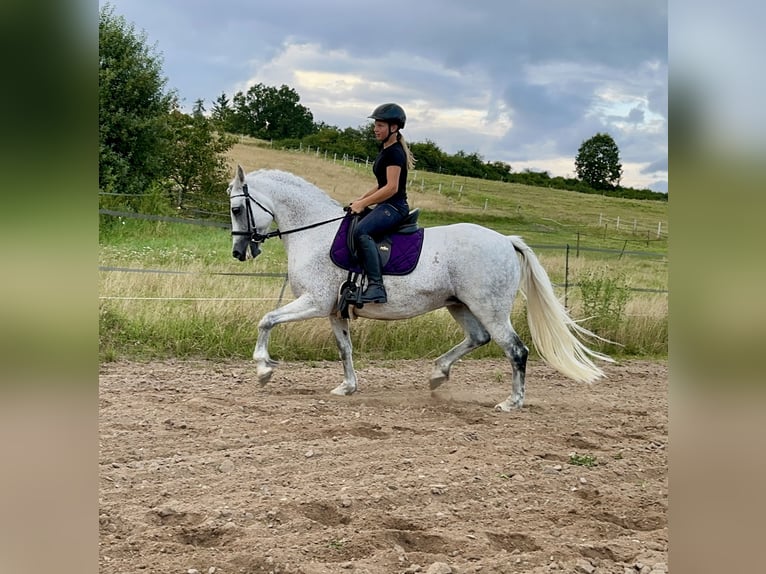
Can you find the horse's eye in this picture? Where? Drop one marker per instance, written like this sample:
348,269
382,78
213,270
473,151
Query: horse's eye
236,210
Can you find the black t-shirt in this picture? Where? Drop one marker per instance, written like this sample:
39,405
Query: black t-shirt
392,155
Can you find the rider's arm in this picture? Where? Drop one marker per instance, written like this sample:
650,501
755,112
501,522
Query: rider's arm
378,194
368,193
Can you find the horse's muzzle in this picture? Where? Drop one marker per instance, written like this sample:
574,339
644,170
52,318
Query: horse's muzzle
237,254
255,251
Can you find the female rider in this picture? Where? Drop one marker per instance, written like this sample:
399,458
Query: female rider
389,196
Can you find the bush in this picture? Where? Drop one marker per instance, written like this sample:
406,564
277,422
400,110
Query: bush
604,298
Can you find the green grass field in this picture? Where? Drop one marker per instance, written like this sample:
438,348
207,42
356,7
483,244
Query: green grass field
193,312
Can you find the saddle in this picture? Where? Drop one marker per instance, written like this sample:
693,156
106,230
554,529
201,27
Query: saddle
399,250
399,253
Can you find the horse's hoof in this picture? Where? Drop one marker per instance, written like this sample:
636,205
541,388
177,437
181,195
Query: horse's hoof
264,375
438,378
343,390
508,406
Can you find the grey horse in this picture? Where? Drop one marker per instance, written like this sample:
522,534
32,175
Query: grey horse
471,270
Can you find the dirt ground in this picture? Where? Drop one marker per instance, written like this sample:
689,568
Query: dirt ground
202,470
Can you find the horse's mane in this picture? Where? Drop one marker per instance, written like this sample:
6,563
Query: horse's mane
290,180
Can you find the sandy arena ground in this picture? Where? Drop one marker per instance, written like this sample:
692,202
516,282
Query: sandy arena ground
202,470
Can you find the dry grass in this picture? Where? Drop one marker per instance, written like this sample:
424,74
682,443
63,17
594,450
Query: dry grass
342,183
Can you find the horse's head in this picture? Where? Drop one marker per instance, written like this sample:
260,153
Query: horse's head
250,218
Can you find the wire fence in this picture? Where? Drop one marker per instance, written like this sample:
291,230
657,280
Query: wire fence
284,276
566,285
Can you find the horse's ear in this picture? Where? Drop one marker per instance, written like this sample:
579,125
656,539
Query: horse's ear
240,174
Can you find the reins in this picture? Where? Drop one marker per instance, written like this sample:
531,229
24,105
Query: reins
252,232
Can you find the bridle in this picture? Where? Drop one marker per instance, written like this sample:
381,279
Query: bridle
258,238
252,232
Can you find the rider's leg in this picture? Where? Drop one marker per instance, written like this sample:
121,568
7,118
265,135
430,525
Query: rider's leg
370,259
376,223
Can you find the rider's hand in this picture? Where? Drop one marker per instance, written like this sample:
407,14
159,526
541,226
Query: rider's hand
357,206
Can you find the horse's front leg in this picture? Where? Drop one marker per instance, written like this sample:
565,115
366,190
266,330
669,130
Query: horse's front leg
302,308
343,338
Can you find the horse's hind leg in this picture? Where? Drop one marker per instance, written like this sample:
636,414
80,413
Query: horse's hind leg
475,336
517,353
342,337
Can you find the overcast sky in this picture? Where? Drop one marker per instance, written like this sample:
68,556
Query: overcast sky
520,81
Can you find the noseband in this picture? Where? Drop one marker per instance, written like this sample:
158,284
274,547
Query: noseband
257,238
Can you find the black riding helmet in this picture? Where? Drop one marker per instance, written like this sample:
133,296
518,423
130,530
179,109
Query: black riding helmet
391,113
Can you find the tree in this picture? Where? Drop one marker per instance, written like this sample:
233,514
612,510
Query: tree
222,114
196,161
362,138
240,120
430,157
500,169
198,111
269,113
133,107
598,162
150,154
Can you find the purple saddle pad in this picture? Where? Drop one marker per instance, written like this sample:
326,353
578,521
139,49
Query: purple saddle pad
404,251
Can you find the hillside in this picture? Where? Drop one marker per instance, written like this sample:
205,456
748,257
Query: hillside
541,215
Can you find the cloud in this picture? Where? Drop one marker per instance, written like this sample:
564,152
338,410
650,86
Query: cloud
513,81
661,165
342,89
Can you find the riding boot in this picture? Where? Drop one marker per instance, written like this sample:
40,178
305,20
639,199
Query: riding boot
370,259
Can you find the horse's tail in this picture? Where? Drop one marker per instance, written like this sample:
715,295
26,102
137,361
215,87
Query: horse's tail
553,330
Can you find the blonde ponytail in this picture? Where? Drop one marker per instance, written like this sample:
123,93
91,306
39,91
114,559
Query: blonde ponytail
410,158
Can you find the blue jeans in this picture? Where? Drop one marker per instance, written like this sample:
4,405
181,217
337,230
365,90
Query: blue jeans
383,218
